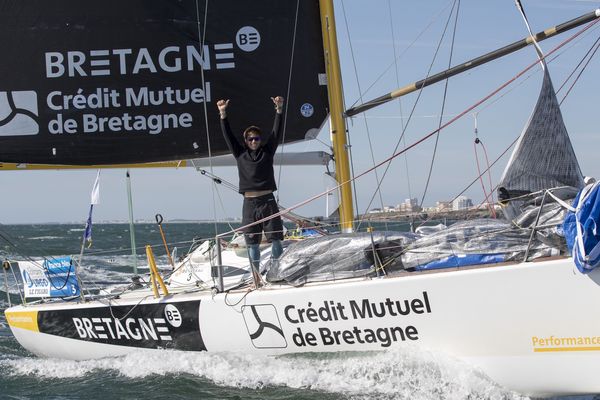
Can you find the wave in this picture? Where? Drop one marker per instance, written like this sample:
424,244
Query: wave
397,374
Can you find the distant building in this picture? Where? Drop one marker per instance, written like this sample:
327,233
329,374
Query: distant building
409,206
443,205
461,203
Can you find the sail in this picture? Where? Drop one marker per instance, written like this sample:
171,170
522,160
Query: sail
543,157
108,82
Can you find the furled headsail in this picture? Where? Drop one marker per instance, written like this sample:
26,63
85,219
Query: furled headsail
111,82
543,157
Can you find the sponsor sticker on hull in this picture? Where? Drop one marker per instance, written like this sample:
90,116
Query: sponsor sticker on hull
151,326
553,344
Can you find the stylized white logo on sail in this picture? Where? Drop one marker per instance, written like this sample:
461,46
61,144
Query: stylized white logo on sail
173,315
18,113
247,38
263,326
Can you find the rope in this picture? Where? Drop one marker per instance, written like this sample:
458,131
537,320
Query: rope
485,193
287,94
577,66
437,136
405,50
201,38
219,181
378,190
596,44
409,117
399,100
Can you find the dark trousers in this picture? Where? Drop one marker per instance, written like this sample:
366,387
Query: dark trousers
255,209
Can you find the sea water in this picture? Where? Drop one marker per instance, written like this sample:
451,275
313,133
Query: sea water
394,374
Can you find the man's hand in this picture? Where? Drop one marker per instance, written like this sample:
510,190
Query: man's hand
222,106
278,101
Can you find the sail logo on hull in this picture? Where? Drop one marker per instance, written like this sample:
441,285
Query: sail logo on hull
19,113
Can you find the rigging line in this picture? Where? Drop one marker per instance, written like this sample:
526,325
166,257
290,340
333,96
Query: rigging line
218,180
437,136
222,205
487,161
420,93
201,38
400,99
485,193
580,72
578,65
406,49
287,95
484,172
351,159
4,236
424,138
364,115
538,49
488,198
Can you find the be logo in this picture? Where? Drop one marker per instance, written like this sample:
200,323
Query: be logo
248,38
18,113
173,316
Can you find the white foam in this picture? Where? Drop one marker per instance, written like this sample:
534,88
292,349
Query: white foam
397,374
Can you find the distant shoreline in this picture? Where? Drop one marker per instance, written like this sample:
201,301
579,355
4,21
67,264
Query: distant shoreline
453,215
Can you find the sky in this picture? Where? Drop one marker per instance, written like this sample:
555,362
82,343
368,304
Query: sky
384,44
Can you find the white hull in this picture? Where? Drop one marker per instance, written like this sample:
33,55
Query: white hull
527,326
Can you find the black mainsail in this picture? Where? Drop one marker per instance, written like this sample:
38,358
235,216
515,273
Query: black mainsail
112,82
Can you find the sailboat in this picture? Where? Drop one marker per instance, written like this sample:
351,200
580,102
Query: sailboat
95,96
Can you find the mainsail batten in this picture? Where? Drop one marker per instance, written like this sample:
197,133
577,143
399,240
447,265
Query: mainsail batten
133,82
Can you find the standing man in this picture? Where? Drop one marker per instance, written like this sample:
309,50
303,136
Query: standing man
257,183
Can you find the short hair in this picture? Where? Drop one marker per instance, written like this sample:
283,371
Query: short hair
252,129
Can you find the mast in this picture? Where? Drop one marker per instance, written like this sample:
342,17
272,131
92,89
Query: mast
336,110
511,48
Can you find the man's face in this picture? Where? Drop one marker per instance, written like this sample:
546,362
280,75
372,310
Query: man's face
253,140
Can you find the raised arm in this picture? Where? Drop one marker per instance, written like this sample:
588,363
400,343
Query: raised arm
234,145
275,135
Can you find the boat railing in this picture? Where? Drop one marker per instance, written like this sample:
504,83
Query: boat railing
537,226
217,270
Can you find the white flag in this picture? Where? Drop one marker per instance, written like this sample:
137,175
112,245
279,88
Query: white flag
96,190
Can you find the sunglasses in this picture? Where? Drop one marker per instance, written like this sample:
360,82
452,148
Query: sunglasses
253,139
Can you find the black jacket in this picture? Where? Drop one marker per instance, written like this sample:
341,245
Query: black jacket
255,168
